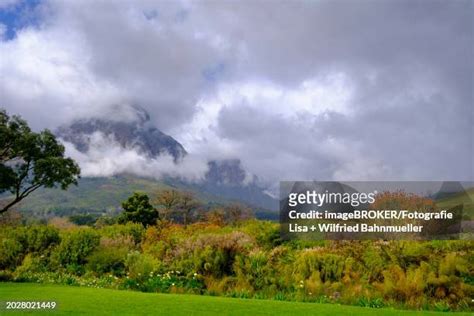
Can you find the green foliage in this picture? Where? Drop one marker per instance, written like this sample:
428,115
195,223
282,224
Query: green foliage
40,238
330,266
134,231
11,251
31,160
140,266
76,245
83,219
138,209
255,270
266,234
16,243
213,254
240,261
31,264
108,260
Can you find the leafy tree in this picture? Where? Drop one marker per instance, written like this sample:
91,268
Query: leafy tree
138,209
30,160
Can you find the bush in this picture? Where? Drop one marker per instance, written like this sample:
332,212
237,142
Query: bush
254,270
76,245
32,264
107,260
139,266
41,238
11,253
211,255
133,230
330,266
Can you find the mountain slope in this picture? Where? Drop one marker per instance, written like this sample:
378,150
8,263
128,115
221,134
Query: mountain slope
102,195
224,179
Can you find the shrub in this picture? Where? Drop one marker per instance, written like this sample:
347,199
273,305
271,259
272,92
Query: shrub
211,254
266,234
108,260
254,270
40,238
140,266
133,230
11,253
76,245
31,264
373,262
330,266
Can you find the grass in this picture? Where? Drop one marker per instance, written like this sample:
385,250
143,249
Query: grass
91,301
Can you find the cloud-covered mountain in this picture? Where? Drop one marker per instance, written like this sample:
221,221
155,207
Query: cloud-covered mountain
131,144
138,133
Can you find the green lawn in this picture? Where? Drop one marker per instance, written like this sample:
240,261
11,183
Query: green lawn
80,300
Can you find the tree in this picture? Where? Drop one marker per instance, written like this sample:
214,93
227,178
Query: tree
237,212
216,216
138,209
174,204
168,201
187,204
30,160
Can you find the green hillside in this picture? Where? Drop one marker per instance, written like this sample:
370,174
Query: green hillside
465,198
91,301
104,195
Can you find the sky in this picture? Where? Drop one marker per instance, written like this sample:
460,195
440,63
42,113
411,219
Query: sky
298,90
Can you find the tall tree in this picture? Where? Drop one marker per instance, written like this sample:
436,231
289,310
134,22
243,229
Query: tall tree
138,209
30,160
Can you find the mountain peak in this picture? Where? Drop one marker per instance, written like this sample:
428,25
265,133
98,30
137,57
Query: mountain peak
130,127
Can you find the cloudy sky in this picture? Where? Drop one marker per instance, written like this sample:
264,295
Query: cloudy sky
300,90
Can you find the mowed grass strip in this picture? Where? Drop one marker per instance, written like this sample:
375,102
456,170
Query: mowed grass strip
91,301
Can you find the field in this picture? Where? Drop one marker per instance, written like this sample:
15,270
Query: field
80,300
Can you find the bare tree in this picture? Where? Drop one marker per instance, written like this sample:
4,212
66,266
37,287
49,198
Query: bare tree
168,200
187,205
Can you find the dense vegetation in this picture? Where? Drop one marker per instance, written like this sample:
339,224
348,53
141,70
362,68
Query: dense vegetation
244,259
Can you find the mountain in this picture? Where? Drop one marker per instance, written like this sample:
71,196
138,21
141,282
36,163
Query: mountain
138,133
226,180
103,196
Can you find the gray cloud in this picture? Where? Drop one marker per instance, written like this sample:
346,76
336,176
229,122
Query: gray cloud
297,90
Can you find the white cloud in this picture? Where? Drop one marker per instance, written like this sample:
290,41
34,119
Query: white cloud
105,157
297,90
